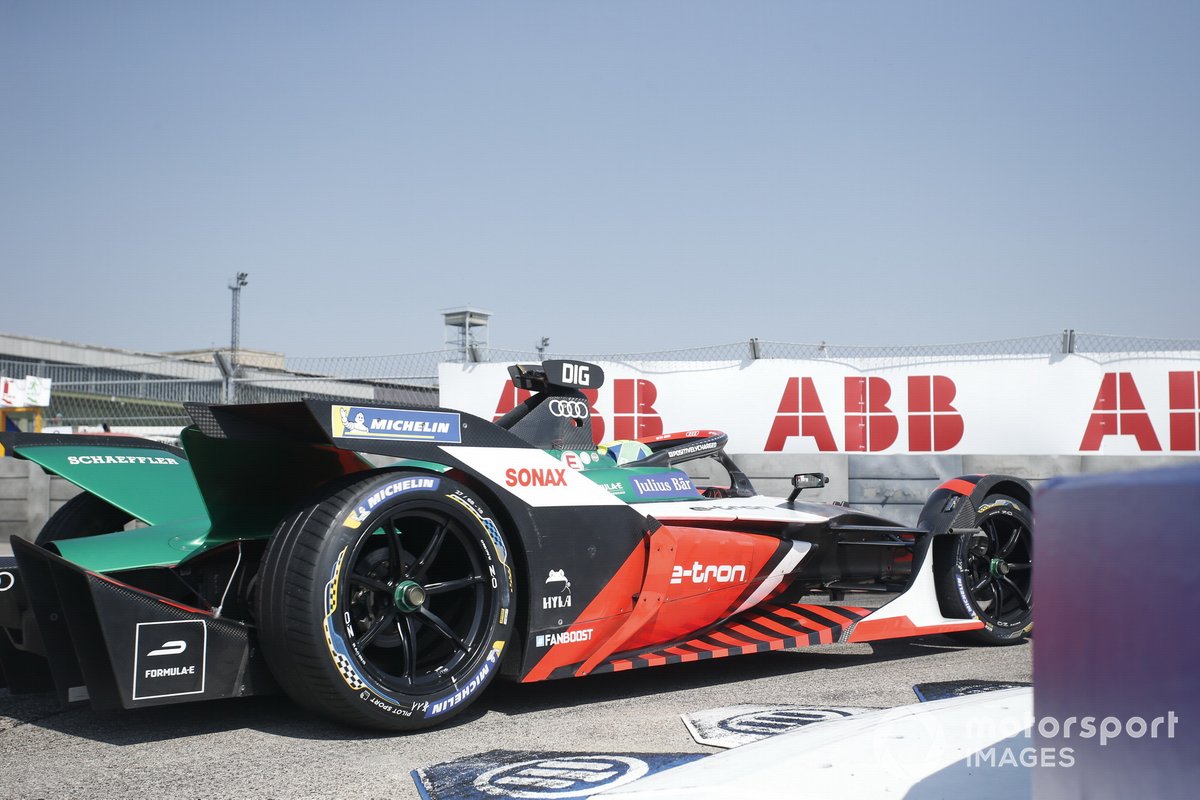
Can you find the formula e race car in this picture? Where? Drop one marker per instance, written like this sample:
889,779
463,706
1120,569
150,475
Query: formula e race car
382,564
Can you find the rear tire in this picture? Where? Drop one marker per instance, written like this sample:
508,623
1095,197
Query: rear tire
83,515
387,603
989,575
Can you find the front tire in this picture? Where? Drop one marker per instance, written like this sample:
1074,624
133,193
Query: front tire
989,575
388,602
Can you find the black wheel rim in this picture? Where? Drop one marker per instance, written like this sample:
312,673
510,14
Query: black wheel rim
418,599
999,570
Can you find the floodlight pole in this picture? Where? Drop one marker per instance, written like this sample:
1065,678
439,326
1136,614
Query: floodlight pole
239,282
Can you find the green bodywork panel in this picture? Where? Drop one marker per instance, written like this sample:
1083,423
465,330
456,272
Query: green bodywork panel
152,485
155,486
162,545
250,487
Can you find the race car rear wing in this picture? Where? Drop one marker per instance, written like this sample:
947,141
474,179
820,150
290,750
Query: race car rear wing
558,416
565,374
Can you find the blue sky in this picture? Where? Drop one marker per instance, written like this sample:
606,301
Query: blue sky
618,176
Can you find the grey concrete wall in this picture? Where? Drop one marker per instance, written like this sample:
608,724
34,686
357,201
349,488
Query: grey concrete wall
28,496
896,486
772,474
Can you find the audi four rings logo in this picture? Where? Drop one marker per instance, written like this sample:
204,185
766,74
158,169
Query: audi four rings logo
575,409
7,581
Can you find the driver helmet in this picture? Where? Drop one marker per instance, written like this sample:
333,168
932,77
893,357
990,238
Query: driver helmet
625,451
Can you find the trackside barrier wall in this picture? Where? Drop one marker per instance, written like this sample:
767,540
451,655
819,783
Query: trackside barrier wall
28,496
897,420
888,429
1068,405
1118,597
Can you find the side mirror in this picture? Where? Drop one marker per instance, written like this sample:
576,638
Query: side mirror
806,480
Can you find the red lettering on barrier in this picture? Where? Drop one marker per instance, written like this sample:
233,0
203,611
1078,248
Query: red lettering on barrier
1119,411
634,416
592,396
933,424
800,414
1183,392
870,424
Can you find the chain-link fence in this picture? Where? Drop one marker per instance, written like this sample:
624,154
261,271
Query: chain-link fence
151,395
148,395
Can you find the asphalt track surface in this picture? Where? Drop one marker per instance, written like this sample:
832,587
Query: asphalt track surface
268,747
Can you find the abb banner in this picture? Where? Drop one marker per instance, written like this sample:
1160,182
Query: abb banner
1068,406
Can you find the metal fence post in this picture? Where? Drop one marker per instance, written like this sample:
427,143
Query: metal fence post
226,367
1068,340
